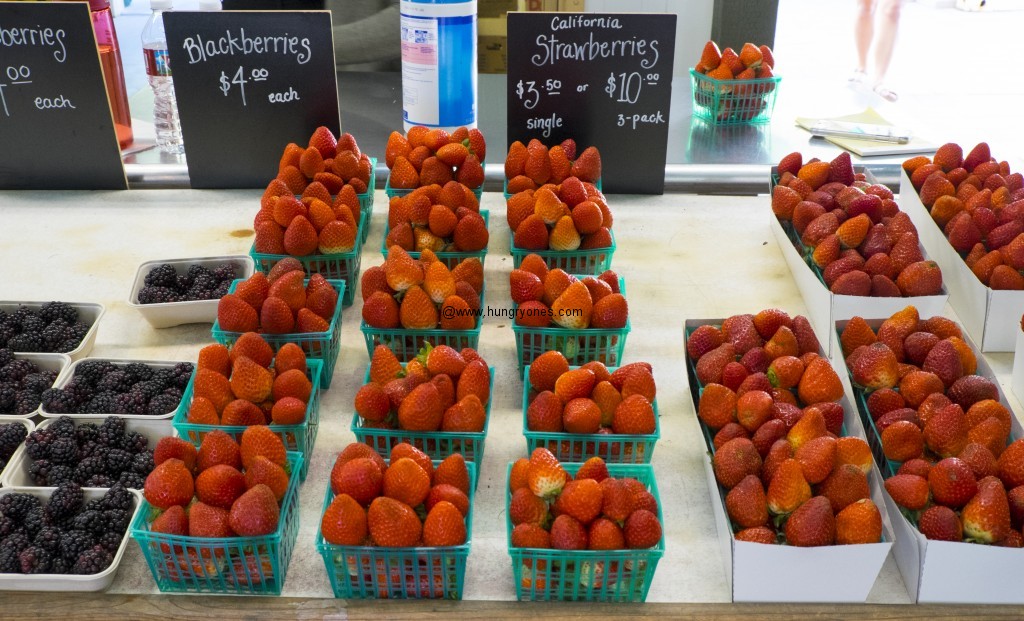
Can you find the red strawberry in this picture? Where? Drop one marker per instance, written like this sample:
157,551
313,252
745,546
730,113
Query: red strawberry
811,524
234,315
642,529
545,476
908,491
986,518
941,524
746,503
568,534
169,484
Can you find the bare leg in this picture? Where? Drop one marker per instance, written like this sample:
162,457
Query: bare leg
863,31
887,27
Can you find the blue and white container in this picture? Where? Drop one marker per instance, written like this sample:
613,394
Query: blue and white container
439,63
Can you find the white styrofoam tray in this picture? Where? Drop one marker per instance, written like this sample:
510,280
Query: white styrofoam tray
46,362
1017,378
779,573
68,582
29,425
946,572
88,313
70,373
990,316
17,472
173,314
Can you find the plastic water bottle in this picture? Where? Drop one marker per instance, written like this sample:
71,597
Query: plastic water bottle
439,74
158,68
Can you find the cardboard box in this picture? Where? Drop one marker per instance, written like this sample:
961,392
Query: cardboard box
779,573
495,8
991,317
824,308
944,572
492,45
1017,379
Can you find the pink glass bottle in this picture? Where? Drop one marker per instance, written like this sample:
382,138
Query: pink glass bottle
113,73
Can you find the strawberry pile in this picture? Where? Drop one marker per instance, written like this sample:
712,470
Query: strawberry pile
550,508
771,444
442,389
742,101
415,294
441,219
979,204
590,399
225,489
379,503
250,384
859,238
753,62
325,218
572,215
279,302
529,167
544,296
433,156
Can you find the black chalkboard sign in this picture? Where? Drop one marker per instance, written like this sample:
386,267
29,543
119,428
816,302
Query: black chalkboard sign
601,79
56,129
247,83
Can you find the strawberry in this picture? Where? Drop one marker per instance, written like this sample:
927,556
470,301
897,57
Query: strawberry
405,481
449,493
587,167
902,440
169,484
323,141
300,237
952,483
452,471
546,370
817,458
979,459
750,55
767,322
515,161
262,470
944,361
417,311
634,415
471,233
741,332
735,460
381,311
841,169
717,406
574,384
444,526
471,173
710,57
581,416
530,536
594,468
791,163
456,314
908,491
940,523
468,415
218,448
854,451
819,383
474,380
292,383
444,359
948,156
531,234
525,286
986,518
784,201
710,365
758,534
209,521
788,489
173,521
746,503
219,486
875,367
344,522
234,315
564,235
568,534
1011,464
250,381
581,500
605,534
174,448
805,336
537,165
403,174
393,523
545,475
945,432
846,485
421,410
860,522
642,530
372,403
811,524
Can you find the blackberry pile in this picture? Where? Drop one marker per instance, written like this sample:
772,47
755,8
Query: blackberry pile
89,455
21,384
64,535
100,387
53,328
164,284
11,437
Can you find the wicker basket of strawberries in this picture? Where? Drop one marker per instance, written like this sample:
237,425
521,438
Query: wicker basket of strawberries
446,220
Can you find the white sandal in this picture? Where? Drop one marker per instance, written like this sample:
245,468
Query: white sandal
858,77
885,92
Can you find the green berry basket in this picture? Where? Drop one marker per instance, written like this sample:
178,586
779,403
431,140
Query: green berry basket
543,574
323,346
366,204
579,447
591,262
436,444
733,102
341,266
393,192
449,258
505,192
578,346
225,565
297,438
407,343
370,572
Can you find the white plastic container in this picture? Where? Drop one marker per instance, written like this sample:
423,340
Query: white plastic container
88,313
1017,378
68,582
17,472
29,425
45,362
64,379
179,313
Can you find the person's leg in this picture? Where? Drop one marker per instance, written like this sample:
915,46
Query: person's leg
889,22
863,32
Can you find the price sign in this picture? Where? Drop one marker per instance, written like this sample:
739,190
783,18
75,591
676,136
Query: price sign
56,129
247,83
601,79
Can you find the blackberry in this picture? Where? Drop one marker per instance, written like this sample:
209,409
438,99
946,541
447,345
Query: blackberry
111,431
182,283
26,402
7,526
138,371
33,324
17,369
11,437
60,565
116,381
74,542
90,449
162,275
88,467
202,288
90,521
134,442
117,497
17,317
59,475
99,480
39,471
37,444
16,506
92,561
196,271
86,432
10,550
101,403
48,538
159,295
111,541
131,403
78,330
8,394
79,390
164,376
64,450
6,355
147,388
58,310
116,520
92,371
35,520
222,289
133,480
36,381
224,271
142,463
54,333
65,501
35,560
26,342
173,392
96,504
182,374
118,461
162,404
57,401
63,427
6,332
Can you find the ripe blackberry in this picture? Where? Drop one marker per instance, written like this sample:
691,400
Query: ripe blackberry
6,332
131,403
18,316
111,541
39,471
26,342
86,432
196,271
16,506
116,520
162,275
10,550
142,463
35,560
164,376
182,374
117,497
8,394
96,504
68,345
134,442
79,390
159,295
147,388
64,450
162,404
54,333
33,324
111,431
92,561
6,355
224,271
7,526
99,480
89,467
138,371
222,289
92,371
173,391
37,443
36,381
58,310
60,475
57,401
17,369
102,403
34,520
11,437
182,283
65,501
74,542
90,521
118,461
116,381
63,427
26,402
60,565
133,480
48,538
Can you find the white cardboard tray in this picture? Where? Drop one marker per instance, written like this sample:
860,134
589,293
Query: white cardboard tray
178,313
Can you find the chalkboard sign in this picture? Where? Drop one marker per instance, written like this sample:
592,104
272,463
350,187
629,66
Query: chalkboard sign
601,79
248,83
56,129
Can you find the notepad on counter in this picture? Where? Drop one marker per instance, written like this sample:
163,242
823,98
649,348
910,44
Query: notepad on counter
868,148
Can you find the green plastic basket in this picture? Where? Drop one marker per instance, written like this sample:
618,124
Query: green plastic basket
449,258
369,572
543,574
589,262
578,346
579,447
323,346
407,343
436,444
366,203
393,192
504,188
733,102
229,565
297,438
